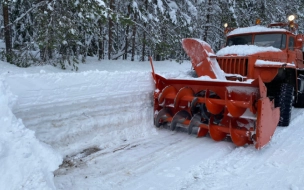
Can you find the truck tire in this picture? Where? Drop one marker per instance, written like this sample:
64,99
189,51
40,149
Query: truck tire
283,99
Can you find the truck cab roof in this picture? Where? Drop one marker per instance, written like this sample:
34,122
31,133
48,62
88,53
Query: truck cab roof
256,29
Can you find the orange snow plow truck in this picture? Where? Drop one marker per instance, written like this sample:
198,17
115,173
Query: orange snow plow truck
243,92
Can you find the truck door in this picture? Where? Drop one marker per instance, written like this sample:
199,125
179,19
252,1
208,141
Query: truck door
299,51
299,58
291,51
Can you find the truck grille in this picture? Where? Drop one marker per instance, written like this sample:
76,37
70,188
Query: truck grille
234,65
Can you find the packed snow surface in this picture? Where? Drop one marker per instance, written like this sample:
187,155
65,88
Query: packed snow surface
93,129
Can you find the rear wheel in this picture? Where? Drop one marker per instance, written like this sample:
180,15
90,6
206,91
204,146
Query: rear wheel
283,99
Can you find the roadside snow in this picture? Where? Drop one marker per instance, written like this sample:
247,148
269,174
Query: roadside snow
26,163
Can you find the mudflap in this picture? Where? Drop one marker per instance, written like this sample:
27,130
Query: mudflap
267,121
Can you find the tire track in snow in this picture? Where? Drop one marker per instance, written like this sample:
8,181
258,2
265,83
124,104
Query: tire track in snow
153,162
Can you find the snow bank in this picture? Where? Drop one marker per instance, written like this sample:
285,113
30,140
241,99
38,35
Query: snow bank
26,163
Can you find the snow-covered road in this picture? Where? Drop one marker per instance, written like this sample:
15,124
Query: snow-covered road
101,123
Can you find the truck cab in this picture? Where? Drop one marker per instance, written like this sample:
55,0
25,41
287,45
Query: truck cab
273,54
289,43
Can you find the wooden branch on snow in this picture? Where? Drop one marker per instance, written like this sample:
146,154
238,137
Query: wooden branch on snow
120,53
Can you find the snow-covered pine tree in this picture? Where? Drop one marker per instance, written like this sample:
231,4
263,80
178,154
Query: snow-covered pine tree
62,32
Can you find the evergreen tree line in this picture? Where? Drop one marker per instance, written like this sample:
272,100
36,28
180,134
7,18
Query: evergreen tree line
64,32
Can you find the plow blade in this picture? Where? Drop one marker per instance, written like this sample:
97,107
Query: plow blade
237,110
267,116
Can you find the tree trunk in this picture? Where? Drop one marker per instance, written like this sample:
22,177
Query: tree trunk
144,36
7,34
143,53
111,25
44,49
100,42
133,39
125,56
208,21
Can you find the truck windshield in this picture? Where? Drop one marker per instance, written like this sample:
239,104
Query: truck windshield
267,40
239,40
261,40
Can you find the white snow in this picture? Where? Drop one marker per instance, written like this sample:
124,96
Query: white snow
244,50
101,3
254,29
100,121
160,6
242,90
172,14
191,8
270,63
26,163
219,73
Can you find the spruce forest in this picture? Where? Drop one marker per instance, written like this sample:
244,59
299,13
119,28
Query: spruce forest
64,32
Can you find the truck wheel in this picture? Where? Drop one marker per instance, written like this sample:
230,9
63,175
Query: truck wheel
300,101
283,99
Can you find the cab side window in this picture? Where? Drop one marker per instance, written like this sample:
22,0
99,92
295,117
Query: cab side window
291,43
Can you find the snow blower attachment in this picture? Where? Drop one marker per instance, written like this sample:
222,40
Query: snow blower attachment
214,106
